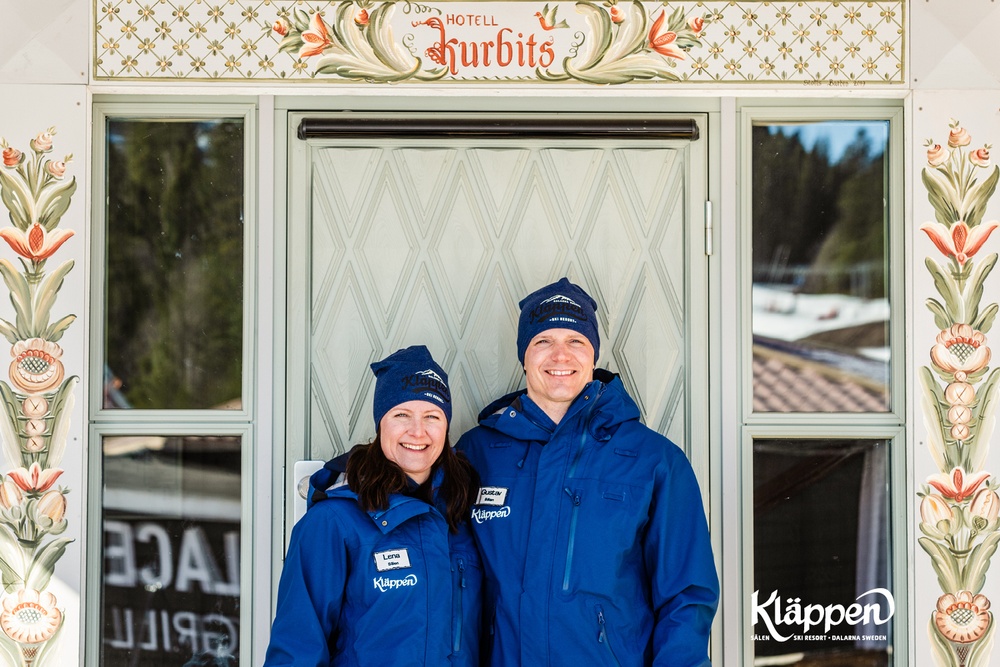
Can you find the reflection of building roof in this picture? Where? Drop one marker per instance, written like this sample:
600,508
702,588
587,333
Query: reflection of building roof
784,382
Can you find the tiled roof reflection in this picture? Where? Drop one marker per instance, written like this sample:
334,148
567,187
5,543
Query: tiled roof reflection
788,383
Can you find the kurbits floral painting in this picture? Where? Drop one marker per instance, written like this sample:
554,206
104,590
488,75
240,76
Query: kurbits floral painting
959,507
37,401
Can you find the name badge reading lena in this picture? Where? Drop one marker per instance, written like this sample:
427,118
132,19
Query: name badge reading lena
492,495
396,559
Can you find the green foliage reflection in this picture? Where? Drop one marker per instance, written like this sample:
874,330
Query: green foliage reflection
174,254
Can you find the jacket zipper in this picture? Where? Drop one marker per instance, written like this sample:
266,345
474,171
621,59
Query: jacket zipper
602,637
576,498
457,608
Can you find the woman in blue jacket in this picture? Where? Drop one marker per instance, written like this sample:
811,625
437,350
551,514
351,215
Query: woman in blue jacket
382,569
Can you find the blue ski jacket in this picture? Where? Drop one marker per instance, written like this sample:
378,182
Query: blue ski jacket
392,587
593,536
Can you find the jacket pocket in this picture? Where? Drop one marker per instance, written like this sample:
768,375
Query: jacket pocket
602,636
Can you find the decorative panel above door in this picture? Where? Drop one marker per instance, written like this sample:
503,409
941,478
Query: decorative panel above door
518,41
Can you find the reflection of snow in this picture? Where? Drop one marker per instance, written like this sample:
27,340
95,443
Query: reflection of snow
784,315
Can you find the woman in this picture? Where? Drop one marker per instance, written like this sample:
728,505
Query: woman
382,569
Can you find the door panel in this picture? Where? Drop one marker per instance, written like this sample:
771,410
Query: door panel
400,241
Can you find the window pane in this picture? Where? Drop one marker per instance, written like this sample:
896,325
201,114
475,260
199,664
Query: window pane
821,552
174,307
820,268
170,592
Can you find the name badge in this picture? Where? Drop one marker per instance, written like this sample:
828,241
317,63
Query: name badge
492,495
396,559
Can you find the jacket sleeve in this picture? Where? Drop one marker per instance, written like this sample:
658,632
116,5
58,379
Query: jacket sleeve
310,592
678,554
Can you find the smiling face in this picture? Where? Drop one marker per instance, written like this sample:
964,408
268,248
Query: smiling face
412,435
558,364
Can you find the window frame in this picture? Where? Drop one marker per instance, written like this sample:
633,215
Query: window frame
890,425
141,111
242,422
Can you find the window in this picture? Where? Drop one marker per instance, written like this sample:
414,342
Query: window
171,418
823,396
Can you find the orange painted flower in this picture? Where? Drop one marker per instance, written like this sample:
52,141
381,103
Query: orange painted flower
34,479
985,505
962,618
56,167
30,616
37,244
36,367
960,348
12,157
957,485
697,24
43,142
934,508
980,157
52,505
617,15
960,241
315,39
662,41
280,26
937,155
362,17
10,494
958,136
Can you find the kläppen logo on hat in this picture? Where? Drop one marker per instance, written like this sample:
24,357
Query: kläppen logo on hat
555,307
429,384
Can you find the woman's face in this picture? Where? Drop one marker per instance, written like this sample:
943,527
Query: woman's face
413,435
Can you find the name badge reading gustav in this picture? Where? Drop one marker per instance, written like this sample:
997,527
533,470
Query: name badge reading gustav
396,559
492,495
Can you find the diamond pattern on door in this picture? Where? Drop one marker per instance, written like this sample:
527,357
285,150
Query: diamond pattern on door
438,241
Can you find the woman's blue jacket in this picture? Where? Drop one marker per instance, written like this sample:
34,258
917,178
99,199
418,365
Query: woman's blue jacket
593,535
392,587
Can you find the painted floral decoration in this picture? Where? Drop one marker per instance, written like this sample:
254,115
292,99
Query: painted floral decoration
36,403
959,506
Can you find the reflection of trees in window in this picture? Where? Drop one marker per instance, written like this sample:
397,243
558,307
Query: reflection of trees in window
174,264
819,222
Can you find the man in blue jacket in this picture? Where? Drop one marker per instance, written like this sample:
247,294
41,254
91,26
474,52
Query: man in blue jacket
591,526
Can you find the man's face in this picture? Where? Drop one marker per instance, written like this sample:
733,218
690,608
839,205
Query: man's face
558,364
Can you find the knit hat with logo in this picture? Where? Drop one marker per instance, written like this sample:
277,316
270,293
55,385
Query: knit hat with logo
561,305
410,374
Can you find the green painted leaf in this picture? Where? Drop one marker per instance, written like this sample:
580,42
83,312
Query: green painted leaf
986,318
953,303
935,416
941,195
44,563
62,410
940,647
974,205
53,202
20,297
974,287
11,558
979,654
974,572
45,297
15,199
9,331
983,413
56,330
8,426
944,564
941,318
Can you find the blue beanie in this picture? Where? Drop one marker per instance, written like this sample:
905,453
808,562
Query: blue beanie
561,305
409,374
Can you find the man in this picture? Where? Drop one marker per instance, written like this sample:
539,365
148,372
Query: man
592,532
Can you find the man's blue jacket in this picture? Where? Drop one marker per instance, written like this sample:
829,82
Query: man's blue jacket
593,536
391,587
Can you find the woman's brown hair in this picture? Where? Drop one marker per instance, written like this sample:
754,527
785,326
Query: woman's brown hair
374,478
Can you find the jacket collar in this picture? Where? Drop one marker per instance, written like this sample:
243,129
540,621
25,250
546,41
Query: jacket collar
612,408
